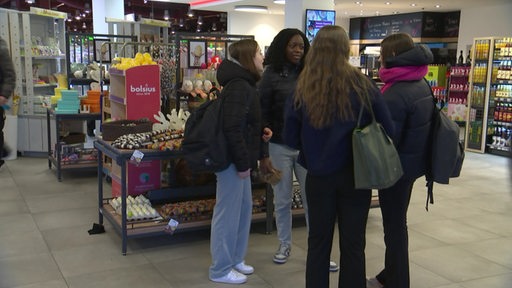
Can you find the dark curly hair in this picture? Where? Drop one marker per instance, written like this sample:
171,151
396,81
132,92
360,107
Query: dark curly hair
276,53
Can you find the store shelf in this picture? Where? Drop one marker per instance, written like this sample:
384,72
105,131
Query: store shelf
55,155
129,229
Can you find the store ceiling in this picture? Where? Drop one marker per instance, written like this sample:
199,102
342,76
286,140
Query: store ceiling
351,8
209,9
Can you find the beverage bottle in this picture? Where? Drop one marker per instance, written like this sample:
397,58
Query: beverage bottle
468,59
460,61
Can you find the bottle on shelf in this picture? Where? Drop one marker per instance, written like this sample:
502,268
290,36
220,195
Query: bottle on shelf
460,61
468,58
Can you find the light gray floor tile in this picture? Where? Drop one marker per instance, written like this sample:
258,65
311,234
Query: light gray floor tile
496,250
55,202
77,236
456,264
499,281
452,231
66,218
49,284
13,207
462,242
96,258
17,224
144,275
29,269
19,244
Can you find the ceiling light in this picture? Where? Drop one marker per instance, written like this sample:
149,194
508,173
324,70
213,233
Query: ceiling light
214,26
413,4
438,6
251,8
166,14
84,26
190,13
30,1
388,3
200,20
181,22
77,15
282,2
87,8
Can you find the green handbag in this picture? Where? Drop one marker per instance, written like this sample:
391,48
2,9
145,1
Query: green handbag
376,161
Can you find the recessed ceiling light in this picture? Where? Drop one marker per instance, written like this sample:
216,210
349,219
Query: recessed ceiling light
413,4
251,8
282,2
388,3
396,12
438,6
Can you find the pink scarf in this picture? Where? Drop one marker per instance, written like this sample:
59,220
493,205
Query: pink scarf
405,73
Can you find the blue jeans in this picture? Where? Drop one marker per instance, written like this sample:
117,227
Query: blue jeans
231,222
284,159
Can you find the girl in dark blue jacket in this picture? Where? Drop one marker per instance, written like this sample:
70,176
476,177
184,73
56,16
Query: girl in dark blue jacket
319,121
410,102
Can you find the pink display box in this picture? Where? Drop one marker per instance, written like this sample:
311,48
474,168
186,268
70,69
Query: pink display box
140,178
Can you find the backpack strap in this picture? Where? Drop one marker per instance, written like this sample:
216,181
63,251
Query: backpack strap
428,174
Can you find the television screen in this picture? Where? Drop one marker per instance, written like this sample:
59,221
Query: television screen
316,19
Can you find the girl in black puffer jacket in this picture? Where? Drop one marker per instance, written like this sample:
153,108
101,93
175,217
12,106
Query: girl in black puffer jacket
404,65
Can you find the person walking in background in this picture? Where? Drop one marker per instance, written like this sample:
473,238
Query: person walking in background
319,120
284,62
408,96
232,214
7,83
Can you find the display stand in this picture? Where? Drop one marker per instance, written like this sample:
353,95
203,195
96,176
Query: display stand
133,229
196,60
55,156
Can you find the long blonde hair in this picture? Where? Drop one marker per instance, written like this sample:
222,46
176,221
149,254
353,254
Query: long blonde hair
324,85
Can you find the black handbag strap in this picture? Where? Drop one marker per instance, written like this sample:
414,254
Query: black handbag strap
361,111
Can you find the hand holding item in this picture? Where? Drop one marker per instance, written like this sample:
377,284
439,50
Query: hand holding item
267,134
266,166
269,174
244,174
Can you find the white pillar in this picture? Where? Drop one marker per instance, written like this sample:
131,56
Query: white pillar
295,11
103,9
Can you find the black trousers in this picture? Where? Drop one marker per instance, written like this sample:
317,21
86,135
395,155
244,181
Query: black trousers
2,124
332,198
394,202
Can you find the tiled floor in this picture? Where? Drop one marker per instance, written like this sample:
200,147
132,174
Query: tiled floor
465,240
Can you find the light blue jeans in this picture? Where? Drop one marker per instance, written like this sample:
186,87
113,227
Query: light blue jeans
284,159
231,222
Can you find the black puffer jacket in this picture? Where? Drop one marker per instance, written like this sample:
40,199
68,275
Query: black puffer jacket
274,88
411,107
242,114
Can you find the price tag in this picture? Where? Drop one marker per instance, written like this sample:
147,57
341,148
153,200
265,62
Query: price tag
136,157
171,226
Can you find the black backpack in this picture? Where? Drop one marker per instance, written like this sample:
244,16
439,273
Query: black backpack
446,152
204,144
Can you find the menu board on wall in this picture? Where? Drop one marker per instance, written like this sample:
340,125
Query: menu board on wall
421,24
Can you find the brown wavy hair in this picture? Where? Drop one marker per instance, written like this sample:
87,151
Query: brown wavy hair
325,84
244,51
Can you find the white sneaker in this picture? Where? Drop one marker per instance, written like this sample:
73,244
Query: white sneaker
333,267
243,268
233,277
282,254
373,283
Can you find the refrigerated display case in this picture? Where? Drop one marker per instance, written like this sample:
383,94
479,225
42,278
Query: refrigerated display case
490,97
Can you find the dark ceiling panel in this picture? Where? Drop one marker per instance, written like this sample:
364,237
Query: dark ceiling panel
213,21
